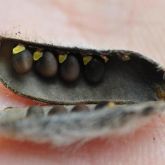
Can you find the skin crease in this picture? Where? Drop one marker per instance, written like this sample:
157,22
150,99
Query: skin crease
136,25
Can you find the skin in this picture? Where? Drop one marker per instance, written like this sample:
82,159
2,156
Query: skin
136,25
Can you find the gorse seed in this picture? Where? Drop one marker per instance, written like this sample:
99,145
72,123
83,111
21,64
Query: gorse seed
70,69
107,104
94,71
57,109
47,65
80,107
101,105
22,61
35,111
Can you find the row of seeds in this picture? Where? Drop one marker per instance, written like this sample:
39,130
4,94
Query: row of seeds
61,109
67,66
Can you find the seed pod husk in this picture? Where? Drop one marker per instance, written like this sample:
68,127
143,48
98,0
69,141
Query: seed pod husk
47,65
70,69
22,62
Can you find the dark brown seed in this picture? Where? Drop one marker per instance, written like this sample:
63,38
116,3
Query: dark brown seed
47,65
57,109
70,69
80,107
101,105
22,62
35,111
94,71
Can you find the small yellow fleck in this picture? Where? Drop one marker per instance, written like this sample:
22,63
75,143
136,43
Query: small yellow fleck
19,48
105,58
62,58
125,57
111,104
37,55
87,59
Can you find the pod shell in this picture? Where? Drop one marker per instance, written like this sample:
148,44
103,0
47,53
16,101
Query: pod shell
68,128
134,80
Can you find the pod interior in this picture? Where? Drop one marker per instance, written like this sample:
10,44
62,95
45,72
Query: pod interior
128,77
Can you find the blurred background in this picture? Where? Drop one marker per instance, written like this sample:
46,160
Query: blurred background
137,25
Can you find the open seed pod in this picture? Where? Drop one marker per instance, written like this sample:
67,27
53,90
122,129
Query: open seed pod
101,91
79,75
